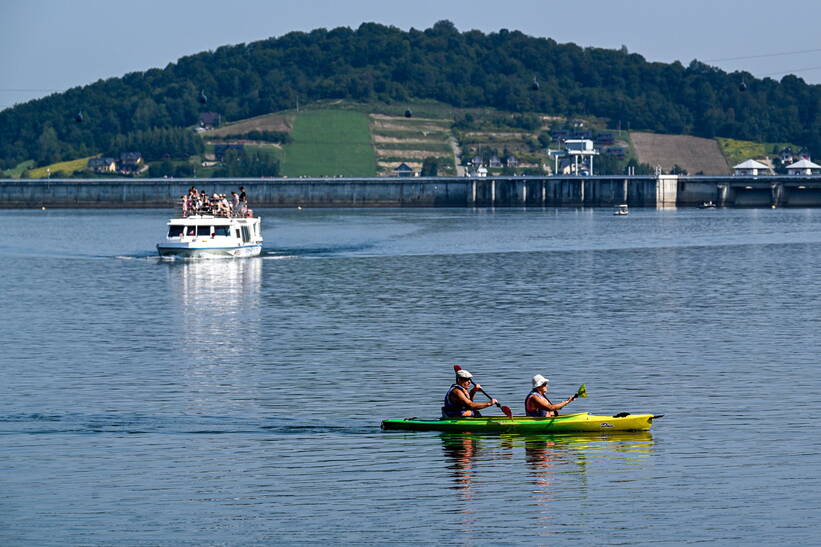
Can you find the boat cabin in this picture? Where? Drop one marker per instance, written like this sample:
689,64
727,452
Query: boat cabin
212,228
207,235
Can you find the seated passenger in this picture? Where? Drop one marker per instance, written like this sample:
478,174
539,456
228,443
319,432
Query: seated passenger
459,401
537,404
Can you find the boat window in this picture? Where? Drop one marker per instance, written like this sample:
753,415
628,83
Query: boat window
192,230
175,230
237,231
222,230
246,236
204,231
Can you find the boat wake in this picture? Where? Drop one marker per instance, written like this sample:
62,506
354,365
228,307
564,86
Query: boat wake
133,424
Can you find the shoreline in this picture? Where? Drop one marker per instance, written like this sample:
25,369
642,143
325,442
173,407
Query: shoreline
526,191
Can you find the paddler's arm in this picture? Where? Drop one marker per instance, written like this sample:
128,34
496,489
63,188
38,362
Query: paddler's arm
543,403
473,405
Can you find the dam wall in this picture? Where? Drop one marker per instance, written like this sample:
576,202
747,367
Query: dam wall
560,191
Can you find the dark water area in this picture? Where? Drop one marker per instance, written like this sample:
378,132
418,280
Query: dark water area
145,401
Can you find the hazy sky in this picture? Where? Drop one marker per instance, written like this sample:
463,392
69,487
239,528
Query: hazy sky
52,45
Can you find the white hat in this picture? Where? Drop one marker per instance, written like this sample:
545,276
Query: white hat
539,380
463,374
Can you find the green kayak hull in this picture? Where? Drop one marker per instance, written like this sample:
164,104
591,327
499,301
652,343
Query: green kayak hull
525,424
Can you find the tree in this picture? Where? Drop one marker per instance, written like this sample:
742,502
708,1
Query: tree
430,167
241,163
48,146
465,69
160,170
636,168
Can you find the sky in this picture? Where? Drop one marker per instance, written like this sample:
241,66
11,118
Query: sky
49,46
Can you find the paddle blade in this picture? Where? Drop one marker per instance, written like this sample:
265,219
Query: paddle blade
583,391
507,411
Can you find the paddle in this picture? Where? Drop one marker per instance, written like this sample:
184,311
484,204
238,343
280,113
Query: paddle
505,409
582,391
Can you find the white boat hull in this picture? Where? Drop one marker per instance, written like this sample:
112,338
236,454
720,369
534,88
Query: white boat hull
244,251
206,236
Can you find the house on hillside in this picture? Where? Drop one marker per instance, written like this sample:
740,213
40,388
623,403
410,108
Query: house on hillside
209,120
476,160
403,171
786,156
804,167
494,161
750,167
604,139
559,135
511,161
102,165
130,162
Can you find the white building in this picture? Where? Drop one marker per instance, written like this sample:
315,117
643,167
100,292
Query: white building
581,152
804,167
751,167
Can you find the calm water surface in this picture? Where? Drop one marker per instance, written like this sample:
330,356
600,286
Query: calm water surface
170,402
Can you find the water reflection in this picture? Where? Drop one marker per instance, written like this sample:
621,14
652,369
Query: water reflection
466,454
219,303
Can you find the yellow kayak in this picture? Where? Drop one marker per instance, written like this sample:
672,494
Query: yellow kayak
583,421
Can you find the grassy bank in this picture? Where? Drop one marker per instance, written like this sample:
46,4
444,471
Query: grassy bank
329,143
737,151
58,169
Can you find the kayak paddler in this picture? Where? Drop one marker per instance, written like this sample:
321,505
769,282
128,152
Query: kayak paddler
459,401
537,404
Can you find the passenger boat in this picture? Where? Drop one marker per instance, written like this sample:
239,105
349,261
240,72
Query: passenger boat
621,209
566,423
208,236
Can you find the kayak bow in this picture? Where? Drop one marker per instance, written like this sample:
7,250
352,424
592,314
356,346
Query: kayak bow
582,421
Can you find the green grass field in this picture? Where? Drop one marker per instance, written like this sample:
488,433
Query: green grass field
737,151
442,147
330,143
55,169
15,172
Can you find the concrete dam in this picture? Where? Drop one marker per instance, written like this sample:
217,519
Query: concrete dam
523,191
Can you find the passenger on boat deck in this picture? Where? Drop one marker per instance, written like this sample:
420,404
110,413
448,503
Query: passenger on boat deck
235,204
242,206
459,401
537,403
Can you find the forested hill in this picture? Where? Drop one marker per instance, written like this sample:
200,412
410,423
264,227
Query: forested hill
506,69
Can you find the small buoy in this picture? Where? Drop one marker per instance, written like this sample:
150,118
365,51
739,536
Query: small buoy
43,208
299,207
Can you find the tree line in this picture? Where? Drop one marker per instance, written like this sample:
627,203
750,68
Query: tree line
507,70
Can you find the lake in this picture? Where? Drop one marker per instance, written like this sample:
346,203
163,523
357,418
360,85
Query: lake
220,402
